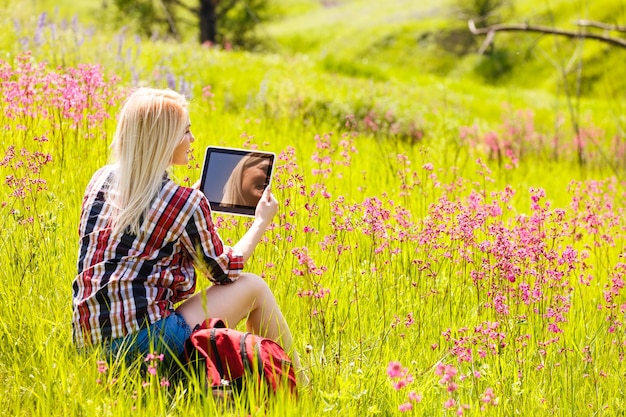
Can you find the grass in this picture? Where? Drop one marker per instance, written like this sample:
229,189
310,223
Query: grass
428,246
407,38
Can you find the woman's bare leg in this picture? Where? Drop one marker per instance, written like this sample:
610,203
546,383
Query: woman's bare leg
249,297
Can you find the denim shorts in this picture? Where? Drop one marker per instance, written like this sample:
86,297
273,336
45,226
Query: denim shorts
166,336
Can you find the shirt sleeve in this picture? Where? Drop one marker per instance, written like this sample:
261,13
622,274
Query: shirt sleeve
219,263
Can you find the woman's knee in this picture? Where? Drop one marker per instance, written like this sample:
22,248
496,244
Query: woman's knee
232,302
256,285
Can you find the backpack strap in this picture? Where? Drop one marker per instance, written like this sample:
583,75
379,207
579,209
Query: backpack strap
217,361
196,349
244,352
257,350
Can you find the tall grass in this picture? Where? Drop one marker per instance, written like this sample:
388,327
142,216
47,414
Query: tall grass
431,256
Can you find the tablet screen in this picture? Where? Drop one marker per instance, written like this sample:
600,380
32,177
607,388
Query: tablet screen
233,180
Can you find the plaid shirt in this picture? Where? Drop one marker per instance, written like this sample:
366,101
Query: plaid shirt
124,281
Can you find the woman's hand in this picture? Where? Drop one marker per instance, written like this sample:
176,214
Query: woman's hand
267,207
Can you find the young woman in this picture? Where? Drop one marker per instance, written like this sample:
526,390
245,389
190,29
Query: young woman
142,237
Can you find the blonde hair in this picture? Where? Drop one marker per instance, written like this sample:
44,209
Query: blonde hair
151,124
233,190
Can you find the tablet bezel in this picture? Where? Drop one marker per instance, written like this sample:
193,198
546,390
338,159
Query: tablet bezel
239,210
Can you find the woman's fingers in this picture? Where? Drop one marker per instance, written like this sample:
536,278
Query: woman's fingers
267,193
268,205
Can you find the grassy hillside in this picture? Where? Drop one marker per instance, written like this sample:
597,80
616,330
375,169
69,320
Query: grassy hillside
405,70
400,38
384,64
403,39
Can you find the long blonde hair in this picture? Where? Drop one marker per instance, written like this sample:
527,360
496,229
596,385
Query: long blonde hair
233,189
151,124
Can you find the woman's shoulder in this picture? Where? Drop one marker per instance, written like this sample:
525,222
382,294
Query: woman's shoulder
100,176
105,170
183,194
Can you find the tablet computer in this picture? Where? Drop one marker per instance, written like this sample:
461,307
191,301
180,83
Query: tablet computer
233,180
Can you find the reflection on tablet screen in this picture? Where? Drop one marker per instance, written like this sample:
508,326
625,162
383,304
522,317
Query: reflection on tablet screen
234,179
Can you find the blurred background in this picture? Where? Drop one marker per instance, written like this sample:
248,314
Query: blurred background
421,70
380,40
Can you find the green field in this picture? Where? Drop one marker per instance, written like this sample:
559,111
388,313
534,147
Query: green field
451,238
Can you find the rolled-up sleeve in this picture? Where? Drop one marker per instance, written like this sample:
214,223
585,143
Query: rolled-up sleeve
219,263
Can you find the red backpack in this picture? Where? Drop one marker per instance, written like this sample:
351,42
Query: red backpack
230,356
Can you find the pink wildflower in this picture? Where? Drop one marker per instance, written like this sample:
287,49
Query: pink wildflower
394,370
413,396
405,407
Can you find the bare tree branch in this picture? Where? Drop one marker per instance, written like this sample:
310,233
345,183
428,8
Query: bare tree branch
488,41
509,27
170,21
600,25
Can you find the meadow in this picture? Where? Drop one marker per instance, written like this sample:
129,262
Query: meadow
444,246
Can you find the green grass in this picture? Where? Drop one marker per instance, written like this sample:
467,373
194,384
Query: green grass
404,38
395,292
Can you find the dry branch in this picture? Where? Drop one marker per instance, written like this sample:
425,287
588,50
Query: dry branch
600,25
490,31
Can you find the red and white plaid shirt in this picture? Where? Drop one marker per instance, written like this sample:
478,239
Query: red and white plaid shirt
125,282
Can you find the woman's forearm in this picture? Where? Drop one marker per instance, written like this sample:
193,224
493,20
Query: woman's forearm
265,210
250,239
